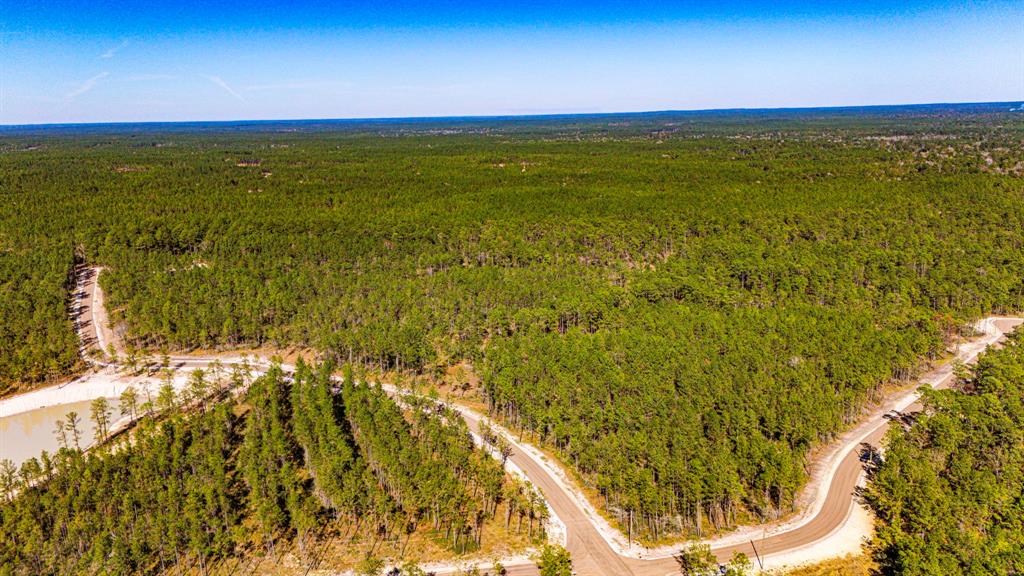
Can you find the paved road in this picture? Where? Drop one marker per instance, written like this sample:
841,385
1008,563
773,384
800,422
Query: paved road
592,554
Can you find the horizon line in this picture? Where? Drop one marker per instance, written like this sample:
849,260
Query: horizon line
524,116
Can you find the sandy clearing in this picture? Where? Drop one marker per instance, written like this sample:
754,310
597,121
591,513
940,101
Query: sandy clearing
105,383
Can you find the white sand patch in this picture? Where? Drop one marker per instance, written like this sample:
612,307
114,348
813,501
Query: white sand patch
105,383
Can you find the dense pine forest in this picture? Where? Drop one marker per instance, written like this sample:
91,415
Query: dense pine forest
680,305
297,464
949,491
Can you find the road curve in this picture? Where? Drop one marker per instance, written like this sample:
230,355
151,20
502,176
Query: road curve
594,555
594,551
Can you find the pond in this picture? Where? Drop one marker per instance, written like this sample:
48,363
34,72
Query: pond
25,435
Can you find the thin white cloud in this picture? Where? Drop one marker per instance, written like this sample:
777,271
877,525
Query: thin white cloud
85,86
151,77
298,85
220,82
110,53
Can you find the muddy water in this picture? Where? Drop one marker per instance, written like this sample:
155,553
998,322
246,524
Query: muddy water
25,435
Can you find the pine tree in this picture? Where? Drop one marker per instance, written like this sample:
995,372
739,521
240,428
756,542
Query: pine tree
71,425
100,416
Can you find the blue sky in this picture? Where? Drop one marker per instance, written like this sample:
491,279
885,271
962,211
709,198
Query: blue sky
174,60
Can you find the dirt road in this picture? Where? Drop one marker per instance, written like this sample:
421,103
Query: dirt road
89,314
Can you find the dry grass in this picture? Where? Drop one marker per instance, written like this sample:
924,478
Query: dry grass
845,566
337,552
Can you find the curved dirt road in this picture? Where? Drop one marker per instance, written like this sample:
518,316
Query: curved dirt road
596,549
593,554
